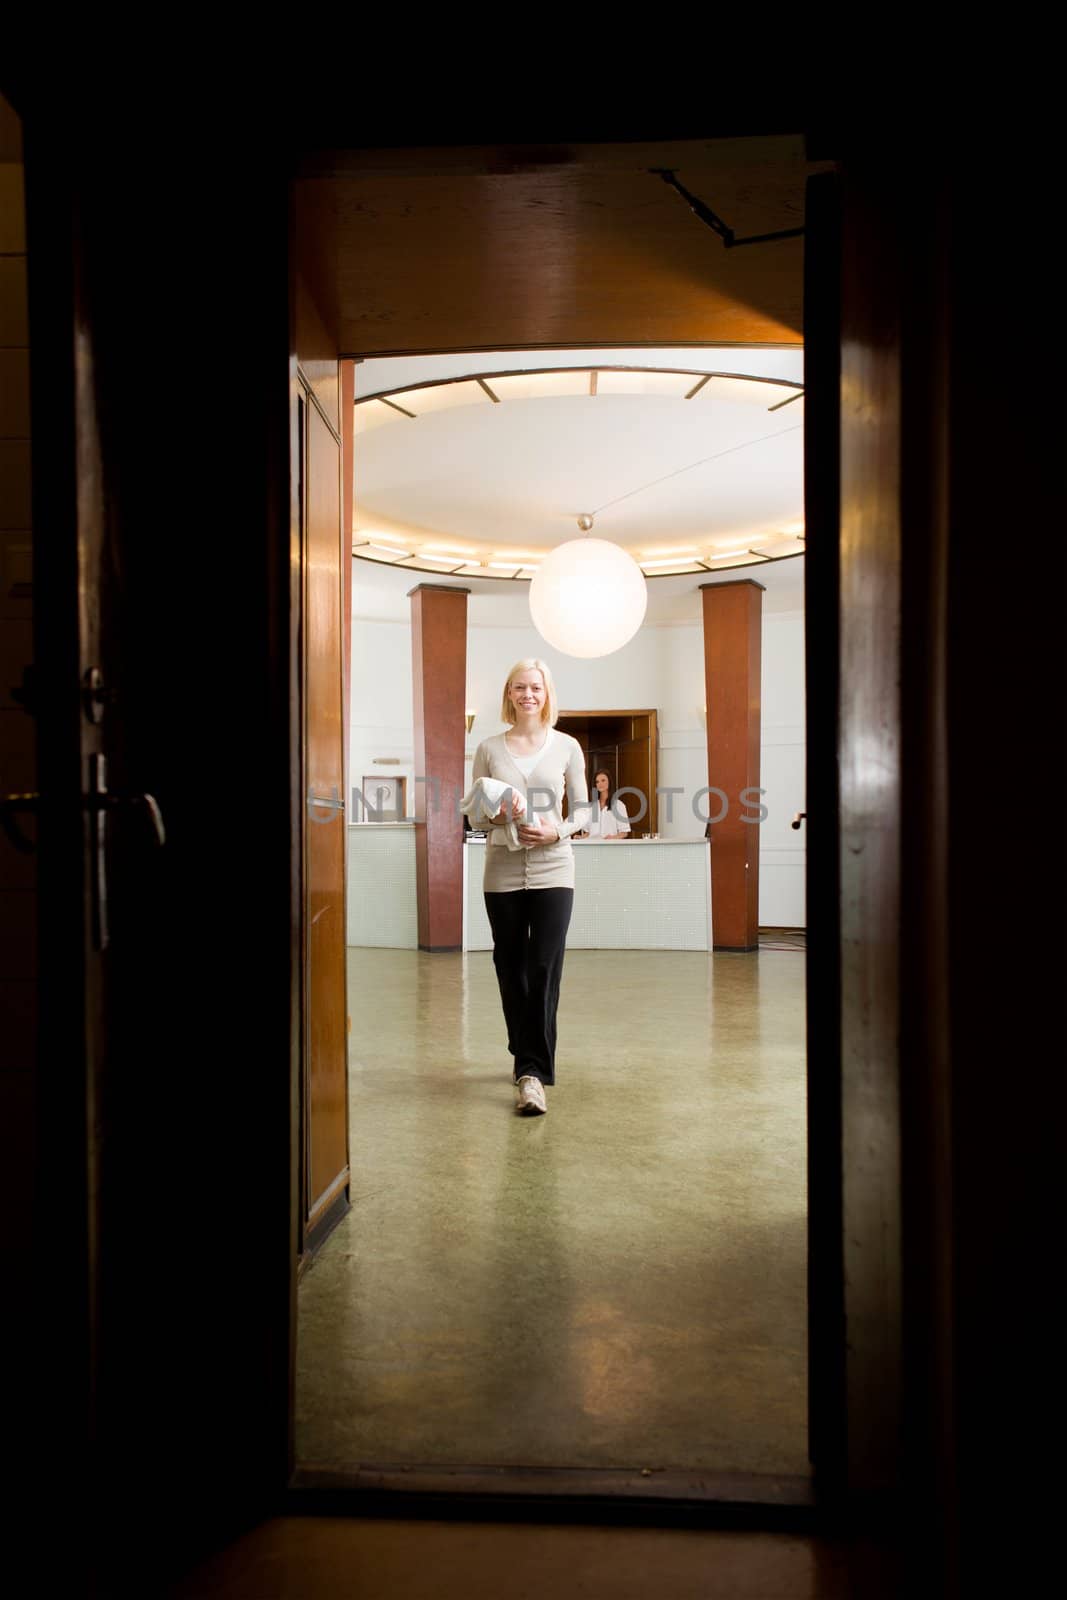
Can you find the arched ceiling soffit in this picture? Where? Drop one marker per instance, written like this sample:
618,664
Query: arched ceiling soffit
483,247
482,475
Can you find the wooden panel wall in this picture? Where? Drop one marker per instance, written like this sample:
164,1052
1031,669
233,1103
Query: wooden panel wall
317,350
573,244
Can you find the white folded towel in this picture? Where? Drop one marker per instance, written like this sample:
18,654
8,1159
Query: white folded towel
483,802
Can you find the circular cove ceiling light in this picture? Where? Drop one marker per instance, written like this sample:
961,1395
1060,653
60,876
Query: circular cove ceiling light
588,597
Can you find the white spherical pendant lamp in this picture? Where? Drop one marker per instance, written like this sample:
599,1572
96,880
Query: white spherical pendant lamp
588,597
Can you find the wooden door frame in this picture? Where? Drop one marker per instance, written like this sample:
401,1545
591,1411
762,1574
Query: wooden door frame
702,1499
907,1117
973,1105
827,1406
979,1219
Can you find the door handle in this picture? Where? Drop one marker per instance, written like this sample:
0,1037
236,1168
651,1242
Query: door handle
11,804
100,803
155,816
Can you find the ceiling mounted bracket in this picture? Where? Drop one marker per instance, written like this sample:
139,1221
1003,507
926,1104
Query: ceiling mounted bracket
714,222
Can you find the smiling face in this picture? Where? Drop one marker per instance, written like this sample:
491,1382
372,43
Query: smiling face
528,696
602,783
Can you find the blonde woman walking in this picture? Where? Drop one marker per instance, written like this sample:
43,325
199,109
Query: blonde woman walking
529,892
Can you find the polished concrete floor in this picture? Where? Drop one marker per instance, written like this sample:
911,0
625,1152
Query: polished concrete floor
619,1284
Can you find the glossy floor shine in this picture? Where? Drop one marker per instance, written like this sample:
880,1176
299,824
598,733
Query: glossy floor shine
619,1284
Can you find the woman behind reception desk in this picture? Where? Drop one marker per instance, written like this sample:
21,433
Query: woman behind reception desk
609,818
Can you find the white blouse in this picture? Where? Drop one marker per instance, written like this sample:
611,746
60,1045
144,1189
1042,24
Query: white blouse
608,822
526,764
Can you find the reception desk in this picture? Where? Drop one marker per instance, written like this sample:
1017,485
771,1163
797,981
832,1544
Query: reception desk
382,911
640,894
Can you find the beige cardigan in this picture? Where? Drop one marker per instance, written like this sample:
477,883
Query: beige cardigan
540,866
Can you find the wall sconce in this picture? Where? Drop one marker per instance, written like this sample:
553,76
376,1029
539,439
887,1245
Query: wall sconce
469,720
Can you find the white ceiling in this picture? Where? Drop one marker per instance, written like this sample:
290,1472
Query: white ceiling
379,594
495,478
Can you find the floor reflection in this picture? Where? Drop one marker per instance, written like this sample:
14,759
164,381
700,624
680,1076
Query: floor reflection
618,1284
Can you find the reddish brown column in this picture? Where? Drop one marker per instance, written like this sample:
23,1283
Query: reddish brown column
733,614
439,684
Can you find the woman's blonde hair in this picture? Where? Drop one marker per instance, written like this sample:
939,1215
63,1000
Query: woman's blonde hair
550,709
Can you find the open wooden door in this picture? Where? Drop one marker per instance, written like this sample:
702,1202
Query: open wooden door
325,1071
637,768
164,1263
78,746
320,391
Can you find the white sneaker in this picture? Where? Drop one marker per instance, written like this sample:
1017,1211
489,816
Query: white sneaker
531,1102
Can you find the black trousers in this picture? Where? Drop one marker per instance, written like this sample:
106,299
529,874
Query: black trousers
529,931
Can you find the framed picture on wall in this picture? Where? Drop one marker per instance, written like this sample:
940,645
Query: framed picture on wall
384,798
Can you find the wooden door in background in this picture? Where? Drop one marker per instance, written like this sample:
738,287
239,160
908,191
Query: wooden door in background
626,745
637,766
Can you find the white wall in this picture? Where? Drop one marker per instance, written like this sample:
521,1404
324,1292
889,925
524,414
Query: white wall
382,722
782,772
662,667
